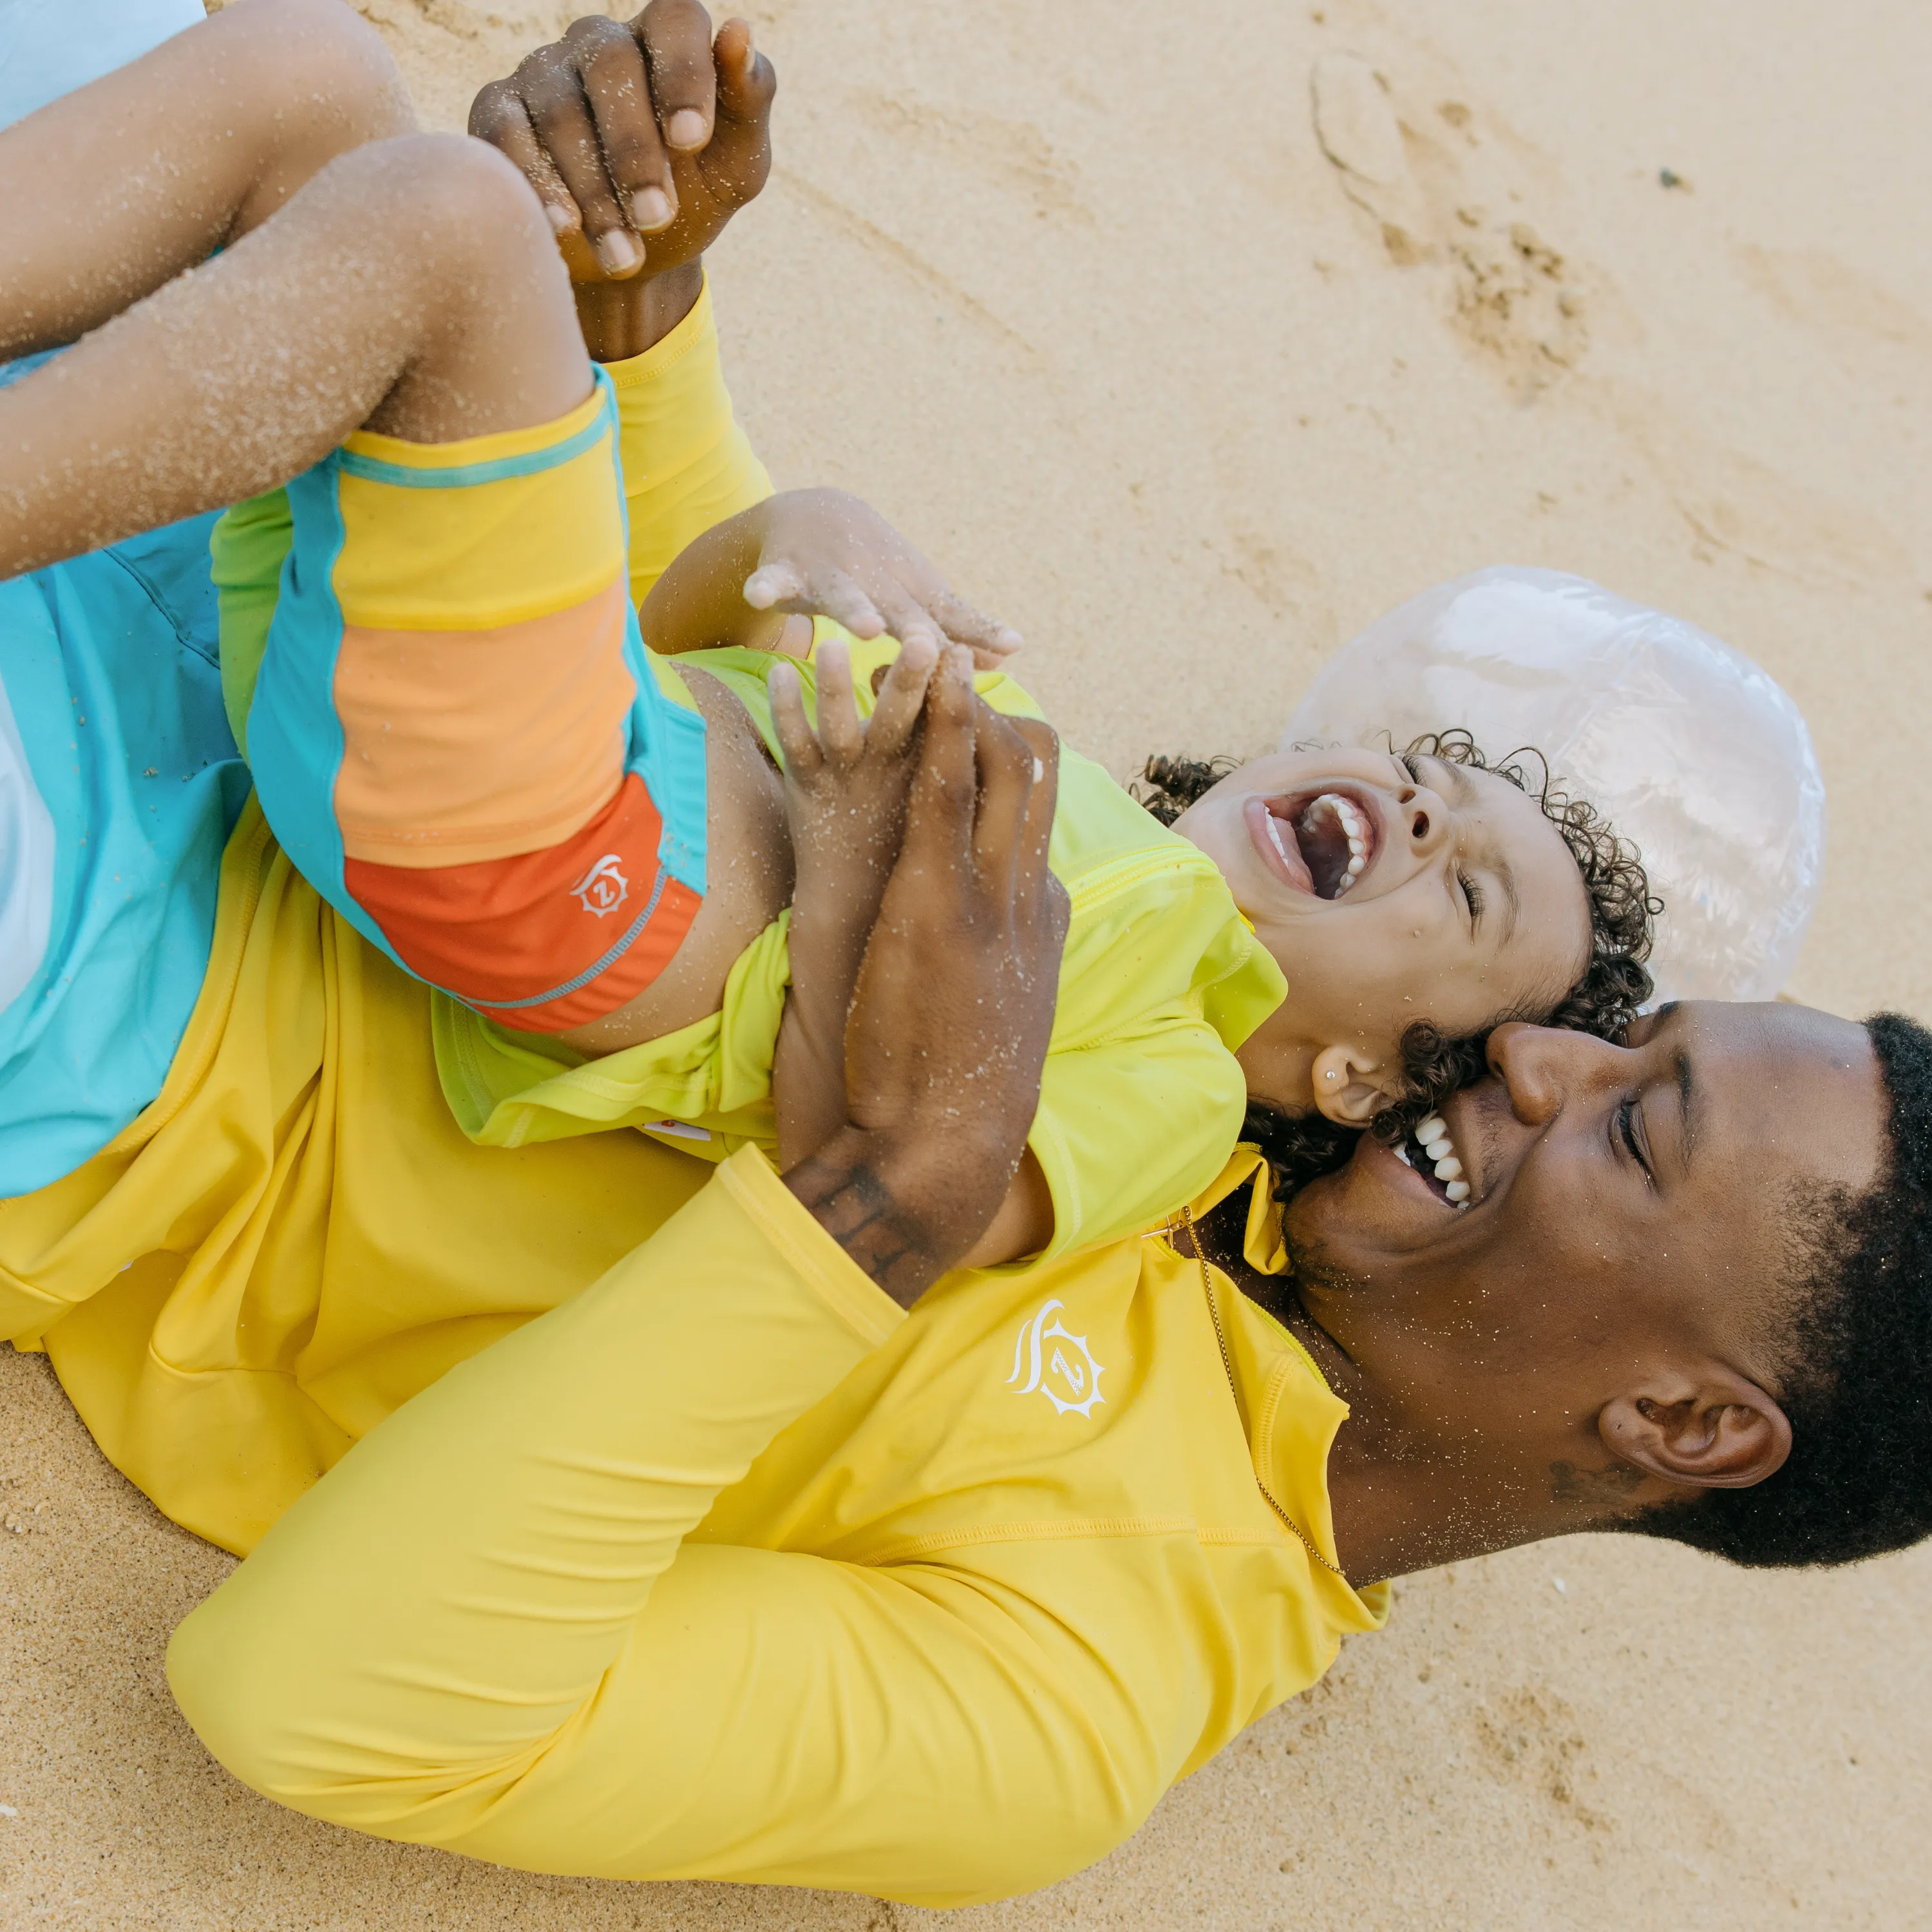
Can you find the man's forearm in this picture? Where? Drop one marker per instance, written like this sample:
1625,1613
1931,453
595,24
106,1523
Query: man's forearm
621,319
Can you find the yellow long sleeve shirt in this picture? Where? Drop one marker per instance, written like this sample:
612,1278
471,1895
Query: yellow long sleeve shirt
727,1569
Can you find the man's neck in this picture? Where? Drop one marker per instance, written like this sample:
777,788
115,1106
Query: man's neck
1400,1502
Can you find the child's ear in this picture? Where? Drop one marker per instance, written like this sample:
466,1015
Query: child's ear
1350,1088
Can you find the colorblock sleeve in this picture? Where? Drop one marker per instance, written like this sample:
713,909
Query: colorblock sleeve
484,1630
688,462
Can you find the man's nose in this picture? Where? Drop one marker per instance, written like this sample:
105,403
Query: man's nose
1543,1068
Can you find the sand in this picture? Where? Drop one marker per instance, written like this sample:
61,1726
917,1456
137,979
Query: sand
1080,299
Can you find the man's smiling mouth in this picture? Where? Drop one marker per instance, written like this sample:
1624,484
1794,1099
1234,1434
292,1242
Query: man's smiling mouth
1319,842
1428,1148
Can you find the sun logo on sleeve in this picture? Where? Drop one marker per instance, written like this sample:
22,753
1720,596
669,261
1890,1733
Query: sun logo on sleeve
1050,1357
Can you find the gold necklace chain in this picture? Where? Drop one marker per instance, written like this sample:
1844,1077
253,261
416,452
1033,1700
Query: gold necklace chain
1227,1363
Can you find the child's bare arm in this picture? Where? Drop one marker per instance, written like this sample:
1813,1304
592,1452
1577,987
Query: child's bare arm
805,553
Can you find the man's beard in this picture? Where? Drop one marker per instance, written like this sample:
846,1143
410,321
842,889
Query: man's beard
1309,1266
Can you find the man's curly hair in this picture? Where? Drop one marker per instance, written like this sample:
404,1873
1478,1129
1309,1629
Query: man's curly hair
1603,1000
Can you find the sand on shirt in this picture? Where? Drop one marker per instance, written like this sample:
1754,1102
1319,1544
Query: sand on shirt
1189,396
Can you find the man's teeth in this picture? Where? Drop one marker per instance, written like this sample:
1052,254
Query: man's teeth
1433,1135
1350,822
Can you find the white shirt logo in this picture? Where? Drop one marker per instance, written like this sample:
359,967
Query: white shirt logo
1057,1363
604,888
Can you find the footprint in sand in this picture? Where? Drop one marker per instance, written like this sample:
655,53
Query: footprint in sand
1427,177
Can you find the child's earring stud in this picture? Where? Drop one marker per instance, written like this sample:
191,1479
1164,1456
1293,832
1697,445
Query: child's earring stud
1331,1074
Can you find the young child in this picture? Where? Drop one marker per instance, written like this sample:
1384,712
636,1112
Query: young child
456,733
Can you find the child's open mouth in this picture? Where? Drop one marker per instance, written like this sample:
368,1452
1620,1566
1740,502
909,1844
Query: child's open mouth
1319,842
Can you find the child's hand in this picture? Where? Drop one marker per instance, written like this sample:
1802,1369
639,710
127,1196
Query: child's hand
642,140
826,554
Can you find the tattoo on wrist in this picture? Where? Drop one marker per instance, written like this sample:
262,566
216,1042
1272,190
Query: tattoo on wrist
859,1211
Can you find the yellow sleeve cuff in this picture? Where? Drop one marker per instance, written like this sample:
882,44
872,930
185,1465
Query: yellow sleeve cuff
846,1291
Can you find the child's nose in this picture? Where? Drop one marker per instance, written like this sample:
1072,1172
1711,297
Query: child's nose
1426,817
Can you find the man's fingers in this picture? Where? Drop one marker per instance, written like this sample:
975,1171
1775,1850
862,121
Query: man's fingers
796,740
736,163
839,731
498,116
902,697
1005,763
939,816
676,38
619,90
1043,741
554,93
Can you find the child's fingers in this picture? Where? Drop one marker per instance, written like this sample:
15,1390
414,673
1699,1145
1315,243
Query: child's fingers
902,697
987,639
836,595
499,116
839,730
905,615
772,584
677,37
796,740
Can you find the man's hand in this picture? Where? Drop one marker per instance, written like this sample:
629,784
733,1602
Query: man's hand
642,140
954,1001
825,552
846,785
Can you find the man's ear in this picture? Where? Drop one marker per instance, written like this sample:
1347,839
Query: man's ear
1715,1430
1350,1088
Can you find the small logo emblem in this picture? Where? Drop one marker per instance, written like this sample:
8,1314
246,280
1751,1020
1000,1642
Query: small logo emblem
1050,1357
604,888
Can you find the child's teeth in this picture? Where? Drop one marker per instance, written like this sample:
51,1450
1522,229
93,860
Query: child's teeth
1274,832
1458,1191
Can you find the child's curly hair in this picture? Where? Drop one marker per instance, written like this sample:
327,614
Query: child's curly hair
1603,1000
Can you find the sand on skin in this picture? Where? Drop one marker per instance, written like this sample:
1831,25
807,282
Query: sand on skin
1087,308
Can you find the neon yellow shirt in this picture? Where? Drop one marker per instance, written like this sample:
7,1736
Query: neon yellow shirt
1141,1099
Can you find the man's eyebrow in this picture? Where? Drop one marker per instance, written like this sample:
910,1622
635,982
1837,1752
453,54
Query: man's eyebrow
1687,1114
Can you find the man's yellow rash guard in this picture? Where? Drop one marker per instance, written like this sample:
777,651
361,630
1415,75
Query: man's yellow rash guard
1160,980
992,1585
727,1569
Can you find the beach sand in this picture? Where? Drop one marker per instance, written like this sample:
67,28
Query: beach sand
1080,300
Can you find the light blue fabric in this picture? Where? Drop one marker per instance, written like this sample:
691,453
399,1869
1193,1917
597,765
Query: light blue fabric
110,665
50,47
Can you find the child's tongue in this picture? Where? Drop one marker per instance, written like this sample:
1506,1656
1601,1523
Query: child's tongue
1279,836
